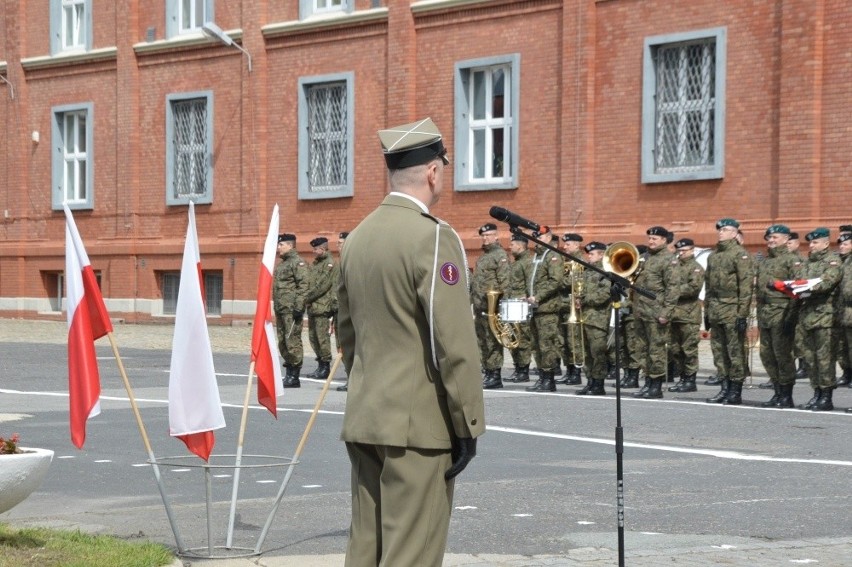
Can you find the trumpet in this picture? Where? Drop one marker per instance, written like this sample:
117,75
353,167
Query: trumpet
575,316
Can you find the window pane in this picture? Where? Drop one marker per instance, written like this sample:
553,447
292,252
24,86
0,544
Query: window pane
497,141
497,93
327,137
478,154
81,133
478,95
81,179
190,147
213,284
171,283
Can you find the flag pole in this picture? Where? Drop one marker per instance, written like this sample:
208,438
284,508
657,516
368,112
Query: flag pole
298,452
239,458
155,467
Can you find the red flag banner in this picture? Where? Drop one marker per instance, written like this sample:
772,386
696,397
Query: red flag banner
264,349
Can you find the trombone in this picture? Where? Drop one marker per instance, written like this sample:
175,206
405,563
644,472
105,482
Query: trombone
575,317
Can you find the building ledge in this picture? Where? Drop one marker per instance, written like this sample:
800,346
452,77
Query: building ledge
324,22
185,41
430,5
65,59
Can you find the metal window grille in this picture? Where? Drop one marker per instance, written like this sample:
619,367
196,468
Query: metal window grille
171,284
490,123
327,137
213,291
685,106
73,24
191,15
190,147
75,155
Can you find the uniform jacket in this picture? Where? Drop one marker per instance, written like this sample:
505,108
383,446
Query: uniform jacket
519,275
773,305
546,282
406,332
728,282
843,302
658,276
290,287
491,273
565,291
322,293
690,276
817,310
595,299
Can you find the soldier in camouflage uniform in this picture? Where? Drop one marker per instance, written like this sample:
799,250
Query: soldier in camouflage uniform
490,274
729,281
816,316
570,244
776,315
686,317
633,357
520,271
595,300
321,302
844,243
798,344
544,286
653,316
289,291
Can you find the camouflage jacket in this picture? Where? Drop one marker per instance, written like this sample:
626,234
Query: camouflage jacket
565,291
817,310
519,275
491,273
595,299
290,285
658,276
690,276
322,286
728,283
772,305
843,302
545,280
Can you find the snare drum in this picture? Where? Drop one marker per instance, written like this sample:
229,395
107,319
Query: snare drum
514,310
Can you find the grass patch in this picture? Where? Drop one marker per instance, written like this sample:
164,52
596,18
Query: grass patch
41,547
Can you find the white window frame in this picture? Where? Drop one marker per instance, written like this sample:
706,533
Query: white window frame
175,24
308,8
650,171
60,10
171,149
72,162
305,84
467,126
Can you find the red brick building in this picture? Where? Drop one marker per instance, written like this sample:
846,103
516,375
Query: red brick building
603,116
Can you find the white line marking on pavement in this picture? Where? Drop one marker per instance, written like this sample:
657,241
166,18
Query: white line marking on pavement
522,515
311,486
103,461
181,470
804,561
266,481
586,523
724,546
221,476
140,465
66,457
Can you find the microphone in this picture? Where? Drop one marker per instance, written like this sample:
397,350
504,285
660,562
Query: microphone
508,216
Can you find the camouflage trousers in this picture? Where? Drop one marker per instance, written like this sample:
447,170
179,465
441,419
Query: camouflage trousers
653,338
776,354
490,349
570,339
596,352
634,358
728,349
683,346
820,357
522,354
289,339
841,342
547,340
318,334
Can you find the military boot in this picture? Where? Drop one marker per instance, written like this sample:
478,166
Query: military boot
655,389
513,375
631,378
597,388
644,389
292,378
786,399
315,373
734,396
523,374
845,378
713,380
801,369
344,387
575,376
773,401
545,383
493,380
824,402
678,386
767,385
585,389
323,370
566,378
722,394
810,403
687,384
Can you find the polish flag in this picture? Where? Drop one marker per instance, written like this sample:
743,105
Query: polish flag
194,406
264,347
88,321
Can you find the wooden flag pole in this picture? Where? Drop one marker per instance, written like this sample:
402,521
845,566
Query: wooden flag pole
239,458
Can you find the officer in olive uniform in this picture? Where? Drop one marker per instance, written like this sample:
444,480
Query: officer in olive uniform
414,407
816,317
595,300
571,243
490,274
728,290
653,316
341,241
289,291
322,303
844,246
544,286
686,317
793,246
520,271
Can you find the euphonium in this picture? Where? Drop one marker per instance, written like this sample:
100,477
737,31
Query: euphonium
622,259
575,316
508,335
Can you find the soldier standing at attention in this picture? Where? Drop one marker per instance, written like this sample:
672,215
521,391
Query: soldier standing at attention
686,317
321,302
728,290
490,274
634,356
844,244
570,244
793,246
520,271
544,300
594,300
289,291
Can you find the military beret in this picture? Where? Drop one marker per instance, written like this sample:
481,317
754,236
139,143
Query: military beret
542,230
670,237
657,231
286,237
412,144
343,235
319,241
846,228
776,229
727,222
844,237
594,245
487,227
684,243
794,235
820,232
642,249
572,237
520,238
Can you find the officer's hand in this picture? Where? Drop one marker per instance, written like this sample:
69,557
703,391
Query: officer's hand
741,325
464,450
706,322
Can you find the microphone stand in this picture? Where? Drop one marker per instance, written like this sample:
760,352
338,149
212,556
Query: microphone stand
618,289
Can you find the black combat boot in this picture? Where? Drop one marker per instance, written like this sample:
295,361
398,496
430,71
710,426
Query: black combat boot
644,389
523,374
810,403
801,369
655,389
292,378
722,394
773,401
344,387
566,378
734,396
766,386
713,380
786,399
575,376
631,378
545,383
824,402
513,375
688,383
678,386
845,378
315,373
493,380
323,370
585,389
597,388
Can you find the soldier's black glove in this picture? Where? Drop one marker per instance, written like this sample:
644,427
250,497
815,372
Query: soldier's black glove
706,322
298,315
464,450
741,325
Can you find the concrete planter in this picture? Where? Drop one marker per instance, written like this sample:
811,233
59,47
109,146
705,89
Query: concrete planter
21,474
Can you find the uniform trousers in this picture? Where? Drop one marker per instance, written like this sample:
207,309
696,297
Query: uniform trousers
728,349
819,354
490,350
547,340
289,339
776,354
318,328
684,346
653,338
596,352
522,354
401,506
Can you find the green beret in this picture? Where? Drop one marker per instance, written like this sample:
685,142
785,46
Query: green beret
820,232
776,229
727,222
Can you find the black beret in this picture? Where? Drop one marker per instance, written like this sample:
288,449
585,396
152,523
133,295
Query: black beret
286,237
846,228
343,235
319,241
657,231
642,249
684,243
670,237
572,237
520,238
487,227
594,245
794,235
844,237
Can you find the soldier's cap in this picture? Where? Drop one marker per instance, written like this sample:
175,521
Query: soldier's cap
727,222
794,235
319,241
412,144
542,230
343,235
520,238
670,237
657,231
776,229
594,245
684,243
820,232
846,228
487,227
286,237
572,237
642,249
844,237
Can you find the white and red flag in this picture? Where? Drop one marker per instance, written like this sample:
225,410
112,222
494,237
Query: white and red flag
264,348
195,410
797,289
88,321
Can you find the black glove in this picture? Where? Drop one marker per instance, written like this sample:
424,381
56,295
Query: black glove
706,322
741,325
298,315
464,450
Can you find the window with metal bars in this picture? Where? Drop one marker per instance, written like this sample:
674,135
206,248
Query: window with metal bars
189,147
72,159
